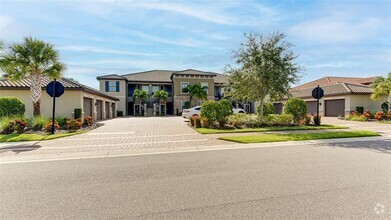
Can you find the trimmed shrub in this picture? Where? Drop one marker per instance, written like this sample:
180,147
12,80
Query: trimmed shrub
296,107
73,125
384,106
204,122
197,122
225,110
77,113
210,111
360,109
48,126
37,123
307,120
11,106
14,126
380,116
88,121
277,120
237,120
268,109
317,119
366,114
62,122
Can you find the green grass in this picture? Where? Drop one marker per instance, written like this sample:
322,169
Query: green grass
263,129
35,137
298,136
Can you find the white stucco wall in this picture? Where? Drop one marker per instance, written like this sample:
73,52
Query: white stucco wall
121,95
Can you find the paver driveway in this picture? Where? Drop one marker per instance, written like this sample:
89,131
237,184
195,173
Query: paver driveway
122,134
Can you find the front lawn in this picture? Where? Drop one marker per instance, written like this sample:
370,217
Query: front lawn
271,128
298,136
35,137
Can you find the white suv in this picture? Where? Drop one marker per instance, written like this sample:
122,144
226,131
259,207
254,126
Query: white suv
196,111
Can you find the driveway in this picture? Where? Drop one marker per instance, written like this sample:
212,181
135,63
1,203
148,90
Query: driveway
358,125
121,134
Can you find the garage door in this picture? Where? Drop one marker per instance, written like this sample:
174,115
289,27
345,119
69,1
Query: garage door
277,108
311,107
99,109
87,106
335,108
107,109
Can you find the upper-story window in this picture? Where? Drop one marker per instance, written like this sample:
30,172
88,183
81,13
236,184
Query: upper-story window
184,85
205,86
112,86
155,88
145,88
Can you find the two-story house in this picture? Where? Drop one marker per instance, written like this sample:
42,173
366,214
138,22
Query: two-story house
123,86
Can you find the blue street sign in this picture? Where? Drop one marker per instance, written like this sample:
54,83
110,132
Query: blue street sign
59,88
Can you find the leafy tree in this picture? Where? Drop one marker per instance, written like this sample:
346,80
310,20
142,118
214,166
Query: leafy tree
196,91
161,95
265,66
140,95
33,59
382,86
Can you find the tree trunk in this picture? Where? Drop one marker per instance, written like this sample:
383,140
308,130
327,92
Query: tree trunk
389,102
261,109
36,93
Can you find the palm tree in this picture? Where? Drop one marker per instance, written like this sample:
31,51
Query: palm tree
382,86
196,91
161,95
140,94
32,59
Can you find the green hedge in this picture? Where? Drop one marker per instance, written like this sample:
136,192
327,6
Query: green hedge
297,108
268,109
11,106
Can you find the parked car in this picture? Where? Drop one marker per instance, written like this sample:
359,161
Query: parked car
196,111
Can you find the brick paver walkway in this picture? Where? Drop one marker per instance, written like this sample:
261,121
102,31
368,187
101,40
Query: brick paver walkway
122,134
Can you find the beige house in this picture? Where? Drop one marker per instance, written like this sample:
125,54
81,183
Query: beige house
76,95
341,95
123,86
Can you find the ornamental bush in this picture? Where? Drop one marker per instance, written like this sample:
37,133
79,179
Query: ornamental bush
277,120
73,125
48,126
297,108
268,109
38,122
225,110
14,126
210,111
11,106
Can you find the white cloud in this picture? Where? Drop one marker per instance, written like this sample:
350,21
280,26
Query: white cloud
101,50
336,29
11,30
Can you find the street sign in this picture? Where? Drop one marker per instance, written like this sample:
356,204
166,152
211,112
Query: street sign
55,85
317,93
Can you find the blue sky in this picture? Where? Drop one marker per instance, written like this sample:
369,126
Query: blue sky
332,38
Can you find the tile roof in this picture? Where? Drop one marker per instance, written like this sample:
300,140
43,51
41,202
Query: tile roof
333,90
162,75
68,84
328,80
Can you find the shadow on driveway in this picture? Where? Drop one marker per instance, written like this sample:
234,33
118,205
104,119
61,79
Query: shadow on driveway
20,148
379,146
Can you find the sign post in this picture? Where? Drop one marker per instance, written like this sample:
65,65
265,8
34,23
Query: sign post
317,93
54,89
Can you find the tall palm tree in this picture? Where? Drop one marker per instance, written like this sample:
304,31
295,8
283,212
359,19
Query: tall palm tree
382,86
140,95
32,59
161,95
196,91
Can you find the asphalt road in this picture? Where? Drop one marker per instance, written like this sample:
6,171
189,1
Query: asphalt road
345,181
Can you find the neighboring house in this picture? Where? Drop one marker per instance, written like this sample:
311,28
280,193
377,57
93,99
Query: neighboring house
76,95
341,95
123,86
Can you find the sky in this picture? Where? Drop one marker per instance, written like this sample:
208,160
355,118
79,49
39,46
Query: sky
100,37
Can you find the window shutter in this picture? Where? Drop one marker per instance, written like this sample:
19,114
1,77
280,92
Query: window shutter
117,86
107,86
